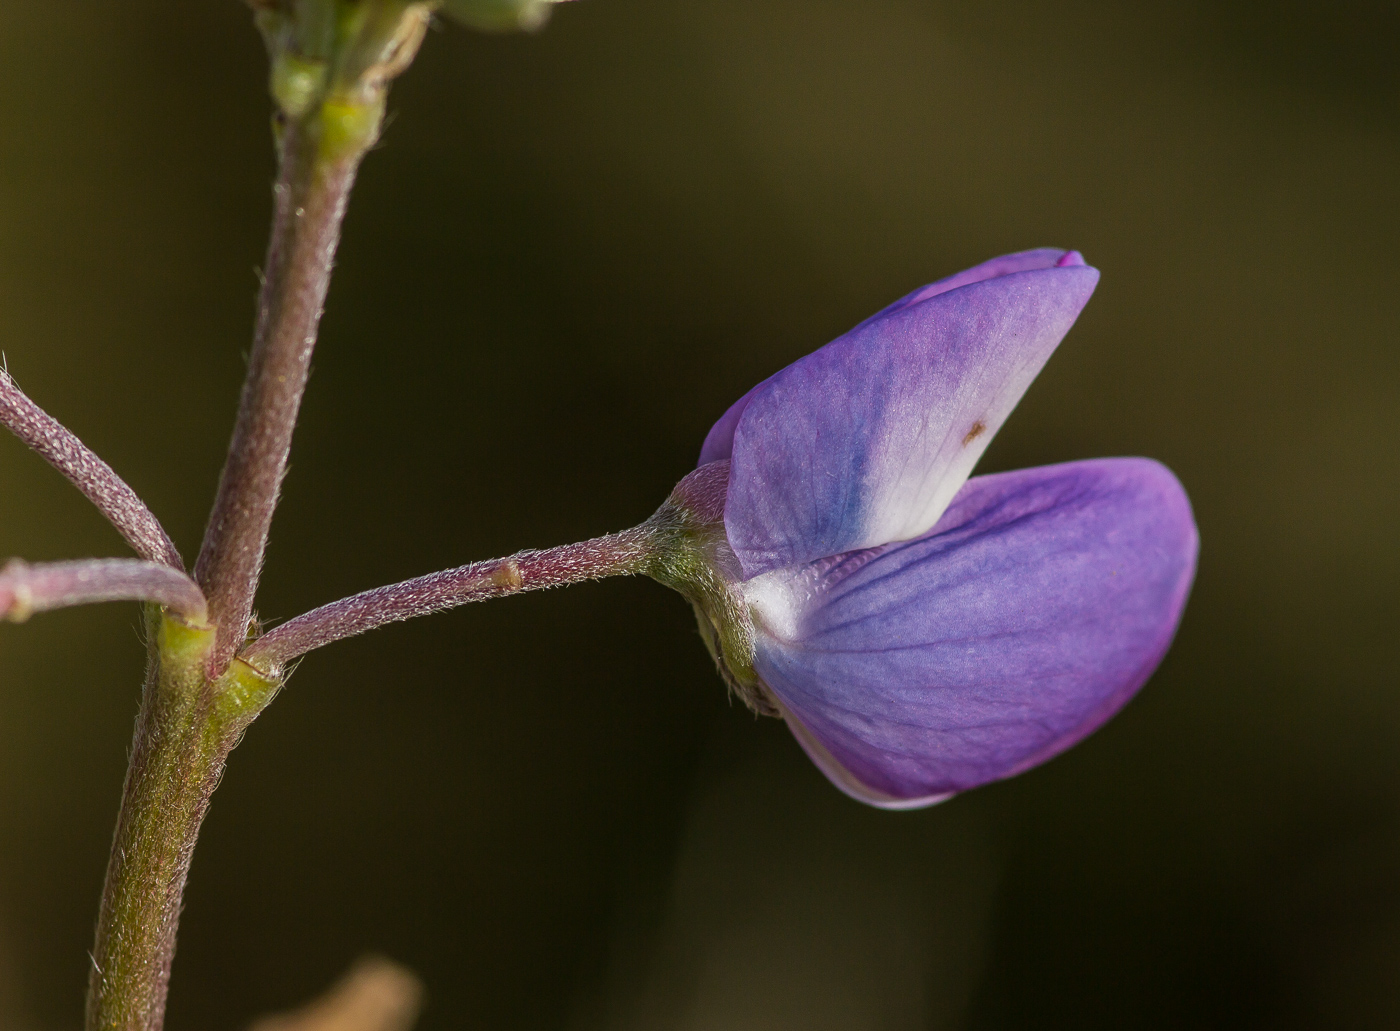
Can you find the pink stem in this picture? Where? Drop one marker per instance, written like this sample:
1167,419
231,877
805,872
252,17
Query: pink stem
310,198
26,589
94,477
617,554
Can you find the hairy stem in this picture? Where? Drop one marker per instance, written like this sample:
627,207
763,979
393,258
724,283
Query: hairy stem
187,726
619,554
26,589
94,477
331,65
199,698
312,189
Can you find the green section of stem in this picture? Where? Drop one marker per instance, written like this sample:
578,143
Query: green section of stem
185,730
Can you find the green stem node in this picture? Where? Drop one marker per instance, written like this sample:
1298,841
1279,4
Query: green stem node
187,726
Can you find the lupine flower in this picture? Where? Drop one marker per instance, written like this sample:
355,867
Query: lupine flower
920,632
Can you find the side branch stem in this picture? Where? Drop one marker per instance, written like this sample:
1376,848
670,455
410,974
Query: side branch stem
57,445
26,589
617,554
310,198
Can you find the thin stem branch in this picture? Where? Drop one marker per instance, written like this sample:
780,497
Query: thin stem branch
26,589
310,199
619,554
94,477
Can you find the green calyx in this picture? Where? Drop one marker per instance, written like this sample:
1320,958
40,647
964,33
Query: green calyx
691,554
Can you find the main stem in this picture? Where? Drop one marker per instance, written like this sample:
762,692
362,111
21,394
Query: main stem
330,88
313,187
198,698
187,726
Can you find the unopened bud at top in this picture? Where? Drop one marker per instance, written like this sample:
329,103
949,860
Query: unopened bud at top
332,61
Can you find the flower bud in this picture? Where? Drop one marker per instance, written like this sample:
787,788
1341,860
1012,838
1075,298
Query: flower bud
332,62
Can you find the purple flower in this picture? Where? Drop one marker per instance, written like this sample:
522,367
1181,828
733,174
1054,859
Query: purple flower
923,633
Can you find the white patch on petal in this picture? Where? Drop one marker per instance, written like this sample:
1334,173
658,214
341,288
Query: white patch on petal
913,486
924,457
777,601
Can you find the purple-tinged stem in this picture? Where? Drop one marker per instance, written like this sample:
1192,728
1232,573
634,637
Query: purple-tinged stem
94,477
618,554
331,64
26,589
309,205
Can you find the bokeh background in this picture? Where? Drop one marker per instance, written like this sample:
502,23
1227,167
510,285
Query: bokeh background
570,254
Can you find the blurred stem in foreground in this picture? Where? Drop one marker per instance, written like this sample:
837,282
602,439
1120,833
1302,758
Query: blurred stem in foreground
376,994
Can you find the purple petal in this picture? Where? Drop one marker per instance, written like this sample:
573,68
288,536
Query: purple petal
719,442
866,441
1032,612
1021,261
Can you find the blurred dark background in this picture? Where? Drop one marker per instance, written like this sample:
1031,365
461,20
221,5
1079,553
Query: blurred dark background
570,254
